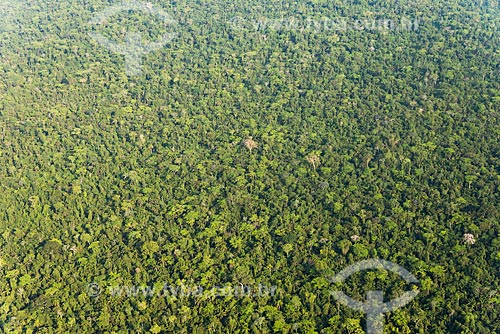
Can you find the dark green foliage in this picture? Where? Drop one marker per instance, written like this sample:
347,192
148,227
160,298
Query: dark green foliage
392,136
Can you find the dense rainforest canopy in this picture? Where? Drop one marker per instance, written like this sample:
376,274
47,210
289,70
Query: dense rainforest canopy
247,155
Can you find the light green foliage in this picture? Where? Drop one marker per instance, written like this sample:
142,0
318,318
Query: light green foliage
389,136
